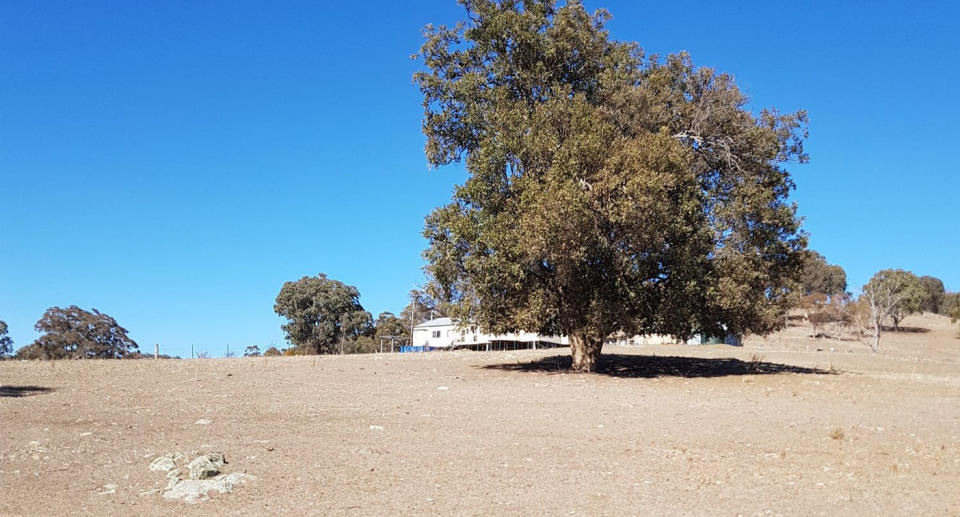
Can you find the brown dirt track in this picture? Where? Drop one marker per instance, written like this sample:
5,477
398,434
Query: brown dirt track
775,427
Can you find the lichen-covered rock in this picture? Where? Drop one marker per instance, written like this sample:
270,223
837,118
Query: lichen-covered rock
202,476
202,468
197,490
173,477
206,465
217,458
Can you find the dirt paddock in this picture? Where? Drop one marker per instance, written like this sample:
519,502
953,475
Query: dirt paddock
786,425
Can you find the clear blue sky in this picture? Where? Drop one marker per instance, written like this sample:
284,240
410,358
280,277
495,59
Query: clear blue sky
173,163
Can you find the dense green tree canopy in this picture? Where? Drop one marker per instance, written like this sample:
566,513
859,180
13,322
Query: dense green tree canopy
933,294
951,306
321,314
607,191
910,290
73,333
6,342
821,277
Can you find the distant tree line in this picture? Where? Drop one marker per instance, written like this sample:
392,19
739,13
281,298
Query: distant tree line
888,297
324,316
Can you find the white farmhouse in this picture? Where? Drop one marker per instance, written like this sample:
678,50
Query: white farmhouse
445,333
621,339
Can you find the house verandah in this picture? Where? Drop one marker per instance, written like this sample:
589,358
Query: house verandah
447,334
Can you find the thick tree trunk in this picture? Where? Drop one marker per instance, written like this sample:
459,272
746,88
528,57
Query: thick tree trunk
876,336
585,352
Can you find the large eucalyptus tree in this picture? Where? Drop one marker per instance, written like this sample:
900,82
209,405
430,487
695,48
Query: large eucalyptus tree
607,191
321,314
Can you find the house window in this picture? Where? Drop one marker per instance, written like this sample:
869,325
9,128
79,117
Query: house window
436,333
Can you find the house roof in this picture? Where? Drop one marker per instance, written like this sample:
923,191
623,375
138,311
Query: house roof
436,322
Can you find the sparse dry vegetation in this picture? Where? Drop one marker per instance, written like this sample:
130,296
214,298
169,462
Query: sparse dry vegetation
662,429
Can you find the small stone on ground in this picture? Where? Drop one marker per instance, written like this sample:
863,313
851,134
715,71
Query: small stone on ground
162,464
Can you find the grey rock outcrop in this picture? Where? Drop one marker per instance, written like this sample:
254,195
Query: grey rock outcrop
204,467
191,483
197,490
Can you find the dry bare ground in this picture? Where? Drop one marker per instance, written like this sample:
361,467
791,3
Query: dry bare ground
775,427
